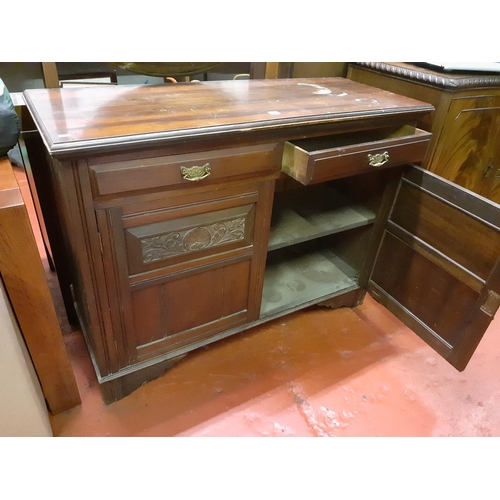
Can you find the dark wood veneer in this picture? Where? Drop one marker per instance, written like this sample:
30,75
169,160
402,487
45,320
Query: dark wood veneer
465,147
93,120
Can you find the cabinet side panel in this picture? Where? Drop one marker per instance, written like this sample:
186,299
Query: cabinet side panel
467,143
491,186
77,259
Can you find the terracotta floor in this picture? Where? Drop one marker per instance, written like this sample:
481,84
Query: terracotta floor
318,372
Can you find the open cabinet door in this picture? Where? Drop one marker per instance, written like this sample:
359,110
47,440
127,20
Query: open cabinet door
438,264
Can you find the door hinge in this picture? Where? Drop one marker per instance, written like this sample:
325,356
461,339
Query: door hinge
491,304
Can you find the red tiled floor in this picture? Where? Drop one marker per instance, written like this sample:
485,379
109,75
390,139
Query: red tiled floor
319,372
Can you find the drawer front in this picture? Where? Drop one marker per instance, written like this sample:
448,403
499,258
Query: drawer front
185,170
323,159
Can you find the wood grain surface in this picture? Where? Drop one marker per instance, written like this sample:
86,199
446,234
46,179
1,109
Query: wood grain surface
74,120
22,272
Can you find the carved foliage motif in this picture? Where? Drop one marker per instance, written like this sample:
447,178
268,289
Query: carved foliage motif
191,240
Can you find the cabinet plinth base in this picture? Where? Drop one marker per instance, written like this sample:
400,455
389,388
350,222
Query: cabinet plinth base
351,299
114,390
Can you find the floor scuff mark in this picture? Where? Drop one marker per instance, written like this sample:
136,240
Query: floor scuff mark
322,424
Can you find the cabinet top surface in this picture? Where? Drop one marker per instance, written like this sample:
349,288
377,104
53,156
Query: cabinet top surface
73,121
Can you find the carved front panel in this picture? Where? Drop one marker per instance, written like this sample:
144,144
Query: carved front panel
192,240
172,241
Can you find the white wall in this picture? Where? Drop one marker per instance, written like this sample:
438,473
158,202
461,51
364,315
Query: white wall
22,407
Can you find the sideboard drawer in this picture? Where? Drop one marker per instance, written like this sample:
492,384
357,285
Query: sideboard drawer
185,170
325,158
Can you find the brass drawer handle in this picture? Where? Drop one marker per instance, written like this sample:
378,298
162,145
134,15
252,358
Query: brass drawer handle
195,173
378,159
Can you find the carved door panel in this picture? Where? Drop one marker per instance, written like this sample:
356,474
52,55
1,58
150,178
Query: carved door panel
185,270
467,143
438,264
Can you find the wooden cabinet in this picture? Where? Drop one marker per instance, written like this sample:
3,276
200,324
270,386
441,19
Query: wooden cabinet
196,211
465,125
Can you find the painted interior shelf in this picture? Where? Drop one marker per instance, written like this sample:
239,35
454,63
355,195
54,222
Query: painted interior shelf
297,275
319,211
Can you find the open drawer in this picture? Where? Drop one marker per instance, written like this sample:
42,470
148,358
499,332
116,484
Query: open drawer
324,158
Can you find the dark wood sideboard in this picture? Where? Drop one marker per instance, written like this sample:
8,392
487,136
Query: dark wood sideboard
192,212
465,147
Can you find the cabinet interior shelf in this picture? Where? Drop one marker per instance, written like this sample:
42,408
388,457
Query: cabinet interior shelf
303,215
296,276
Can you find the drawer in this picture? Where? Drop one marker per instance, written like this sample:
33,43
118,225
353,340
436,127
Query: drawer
186,170
325,158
